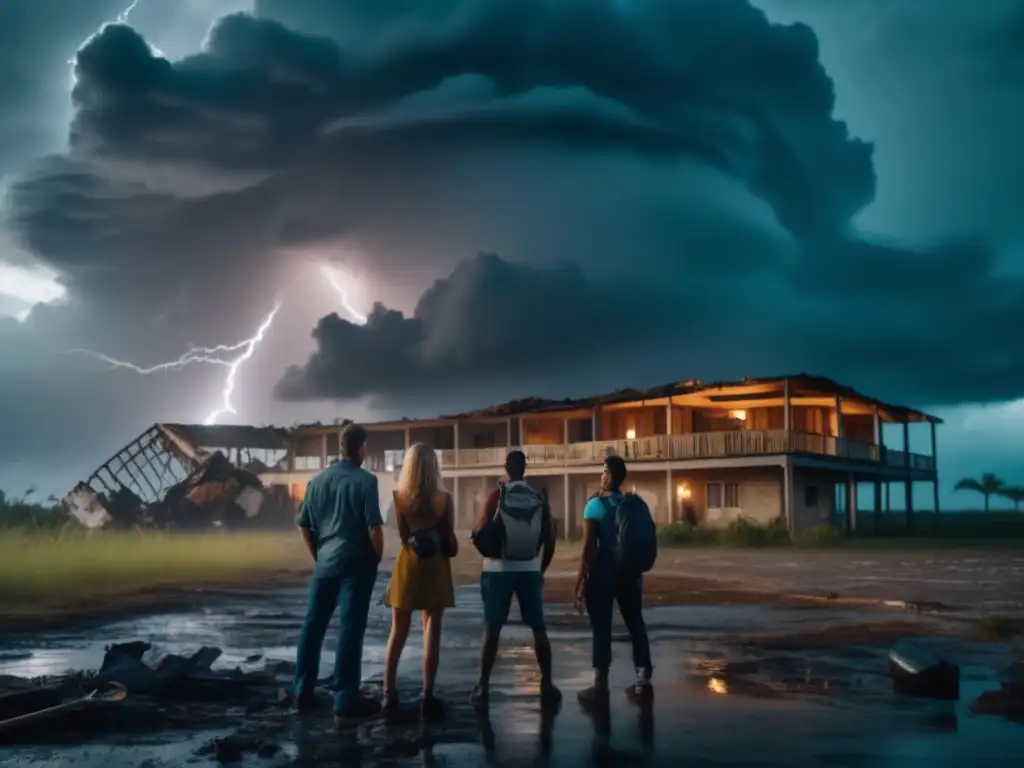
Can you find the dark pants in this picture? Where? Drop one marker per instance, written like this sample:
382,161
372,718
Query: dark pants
351,593
603,590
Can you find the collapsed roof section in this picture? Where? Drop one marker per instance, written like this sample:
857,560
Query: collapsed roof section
180,475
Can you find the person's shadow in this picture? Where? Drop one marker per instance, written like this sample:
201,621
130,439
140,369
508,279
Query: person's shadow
548,713
602,752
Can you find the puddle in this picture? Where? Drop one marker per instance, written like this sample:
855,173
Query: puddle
825,706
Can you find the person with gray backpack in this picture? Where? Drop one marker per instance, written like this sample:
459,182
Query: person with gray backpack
512,529
620,545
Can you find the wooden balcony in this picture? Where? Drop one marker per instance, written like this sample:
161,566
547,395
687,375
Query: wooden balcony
703,445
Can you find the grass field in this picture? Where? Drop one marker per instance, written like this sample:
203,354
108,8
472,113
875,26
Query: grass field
39,569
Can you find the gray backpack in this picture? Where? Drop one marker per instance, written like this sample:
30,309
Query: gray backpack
521,510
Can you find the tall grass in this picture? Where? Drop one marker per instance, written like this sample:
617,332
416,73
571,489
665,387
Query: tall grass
740,532
39,569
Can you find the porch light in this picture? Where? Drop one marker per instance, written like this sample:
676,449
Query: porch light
738,415
717,685
631,434
682,491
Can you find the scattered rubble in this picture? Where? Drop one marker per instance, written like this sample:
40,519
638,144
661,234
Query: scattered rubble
168,692
916,672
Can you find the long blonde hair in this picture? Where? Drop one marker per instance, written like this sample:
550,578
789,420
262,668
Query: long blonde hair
420,479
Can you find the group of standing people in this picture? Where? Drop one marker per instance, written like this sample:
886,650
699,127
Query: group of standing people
341,524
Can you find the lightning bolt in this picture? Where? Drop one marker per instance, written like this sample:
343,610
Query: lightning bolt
122,17
332,278
205,356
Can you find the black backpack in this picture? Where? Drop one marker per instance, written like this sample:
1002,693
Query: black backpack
636,537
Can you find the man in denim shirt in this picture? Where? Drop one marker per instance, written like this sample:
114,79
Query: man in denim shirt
341,524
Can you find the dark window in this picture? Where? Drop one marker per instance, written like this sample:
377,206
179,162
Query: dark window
714,495
732,495
723,495
810,496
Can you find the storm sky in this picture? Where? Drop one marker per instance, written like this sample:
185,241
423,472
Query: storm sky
548,197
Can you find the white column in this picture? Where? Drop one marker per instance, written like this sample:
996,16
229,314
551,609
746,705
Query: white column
323,450
935,469
522,435
852,502
877,432
787,415
670,497
457,497
568,511
565,432
593,425
455,427
787,495
508,434
407,443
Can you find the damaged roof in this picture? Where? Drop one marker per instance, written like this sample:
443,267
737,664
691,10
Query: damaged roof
231,436
800,382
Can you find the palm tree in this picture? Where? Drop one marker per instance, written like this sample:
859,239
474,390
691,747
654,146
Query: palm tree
1014,493
986,486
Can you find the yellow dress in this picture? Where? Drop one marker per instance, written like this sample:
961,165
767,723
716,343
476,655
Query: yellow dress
421,584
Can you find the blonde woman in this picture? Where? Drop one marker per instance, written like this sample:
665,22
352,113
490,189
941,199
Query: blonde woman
422,576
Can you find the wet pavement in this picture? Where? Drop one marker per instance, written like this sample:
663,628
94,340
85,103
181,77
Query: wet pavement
719,701
984,581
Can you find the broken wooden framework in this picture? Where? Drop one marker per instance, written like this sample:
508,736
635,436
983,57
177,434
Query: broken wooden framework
169,462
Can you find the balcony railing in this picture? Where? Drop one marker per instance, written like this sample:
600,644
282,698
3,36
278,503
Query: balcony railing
701,445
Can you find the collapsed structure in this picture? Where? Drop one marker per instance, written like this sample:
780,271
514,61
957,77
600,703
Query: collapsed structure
185,476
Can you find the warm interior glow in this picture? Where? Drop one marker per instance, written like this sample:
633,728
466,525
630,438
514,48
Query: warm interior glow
682,491
717,685
631,434
738,415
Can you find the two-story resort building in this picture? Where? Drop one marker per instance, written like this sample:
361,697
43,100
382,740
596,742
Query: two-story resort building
757,448
793,446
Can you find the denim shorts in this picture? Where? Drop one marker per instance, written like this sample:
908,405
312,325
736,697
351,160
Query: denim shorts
497,588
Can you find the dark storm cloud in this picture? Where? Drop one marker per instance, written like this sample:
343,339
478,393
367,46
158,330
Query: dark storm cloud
488,321
915,333
657,145
750,99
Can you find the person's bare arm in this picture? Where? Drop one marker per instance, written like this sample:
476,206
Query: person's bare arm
587,556
309,540
403,525
305,521
374,521
449,514
490,506
377,540
547,538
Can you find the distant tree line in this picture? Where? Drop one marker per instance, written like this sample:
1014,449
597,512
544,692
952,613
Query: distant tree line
989,485
26,511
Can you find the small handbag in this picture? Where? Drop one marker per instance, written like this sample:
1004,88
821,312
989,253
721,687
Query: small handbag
437,540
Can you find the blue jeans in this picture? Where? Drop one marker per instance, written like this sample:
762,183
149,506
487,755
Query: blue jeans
604,589
351,592
497,589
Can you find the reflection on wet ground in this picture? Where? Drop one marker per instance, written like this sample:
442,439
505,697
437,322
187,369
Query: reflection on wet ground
718,701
